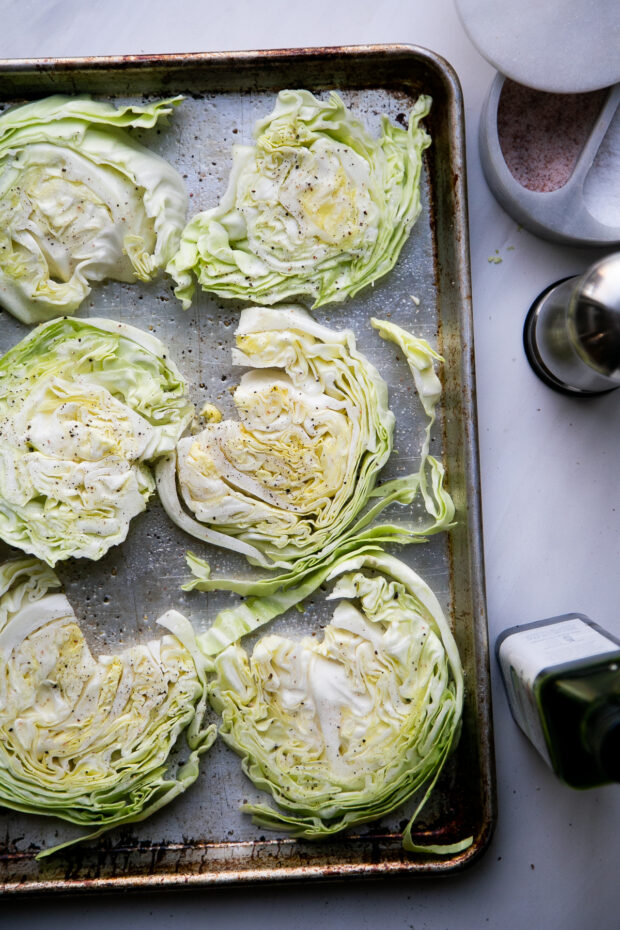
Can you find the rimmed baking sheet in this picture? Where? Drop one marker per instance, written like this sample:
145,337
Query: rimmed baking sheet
202,838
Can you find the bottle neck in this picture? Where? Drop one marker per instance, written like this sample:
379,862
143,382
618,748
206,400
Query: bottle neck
601,729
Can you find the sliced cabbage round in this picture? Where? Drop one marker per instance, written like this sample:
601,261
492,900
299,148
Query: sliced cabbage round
316,208
84,406
80,201
314,430
89,739
344,729
293,483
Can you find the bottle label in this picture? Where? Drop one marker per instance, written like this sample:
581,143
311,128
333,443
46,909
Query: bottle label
524,654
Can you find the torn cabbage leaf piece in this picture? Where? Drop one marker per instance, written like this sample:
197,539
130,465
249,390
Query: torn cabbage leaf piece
84,406
81,201
314,429
317,208
315,516
89,739
345,729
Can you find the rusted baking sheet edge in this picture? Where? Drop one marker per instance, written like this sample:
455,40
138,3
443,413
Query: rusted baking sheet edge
225,60
203,874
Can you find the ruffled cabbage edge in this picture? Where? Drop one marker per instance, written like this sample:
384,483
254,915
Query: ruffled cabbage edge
303,818
215,246
144,784
91,134
115,361
428,481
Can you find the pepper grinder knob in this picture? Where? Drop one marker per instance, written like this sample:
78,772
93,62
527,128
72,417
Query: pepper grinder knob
571,335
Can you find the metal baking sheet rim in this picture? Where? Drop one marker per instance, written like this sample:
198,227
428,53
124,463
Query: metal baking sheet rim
461,281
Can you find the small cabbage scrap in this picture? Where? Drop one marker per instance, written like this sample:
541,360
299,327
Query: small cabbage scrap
89,739
316,208
84,406
80,201
292,473
345,729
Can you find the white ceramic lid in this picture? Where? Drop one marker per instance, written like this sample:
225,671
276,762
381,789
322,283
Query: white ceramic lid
560,46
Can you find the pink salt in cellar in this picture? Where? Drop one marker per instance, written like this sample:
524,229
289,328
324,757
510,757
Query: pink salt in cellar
538,151
550,130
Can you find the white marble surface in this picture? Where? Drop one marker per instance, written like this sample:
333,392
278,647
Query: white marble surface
551,500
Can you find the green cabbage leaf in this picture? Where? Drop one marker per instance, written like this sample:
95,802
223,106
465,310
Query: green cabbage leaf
292,484
344,729
314,430
317,208
88,739
84,407
81,201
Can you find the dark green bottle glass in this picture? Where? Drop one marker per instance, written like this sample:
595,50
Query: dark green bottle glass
562,678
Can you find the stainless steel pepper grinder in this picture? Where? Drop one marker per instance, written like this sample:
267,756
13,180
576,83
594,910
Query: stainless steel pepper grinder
572,331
